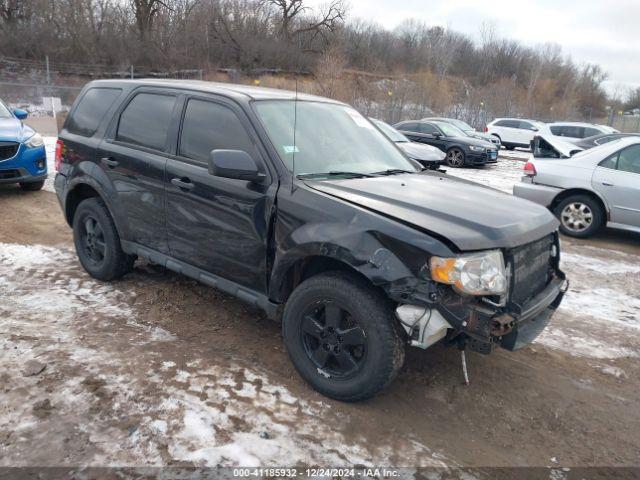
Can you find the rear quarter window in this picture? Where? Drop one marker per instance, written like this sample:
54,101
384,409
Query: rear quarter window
90,111
145,120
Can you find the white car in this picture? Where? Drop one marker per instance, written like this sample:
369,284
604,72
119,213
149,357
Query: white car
585,189
575,131
514,132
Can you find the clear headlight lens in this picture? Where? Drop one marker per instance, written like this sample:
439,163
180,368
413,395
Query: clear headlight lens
475,148
476,274
34,141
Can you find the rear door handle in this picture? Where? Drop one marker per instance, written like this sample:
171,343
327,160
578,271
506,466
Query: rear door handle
183,183
607,184
109,162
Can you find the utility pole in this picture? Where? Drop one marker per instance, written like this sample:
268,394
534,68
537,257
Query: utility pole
46,61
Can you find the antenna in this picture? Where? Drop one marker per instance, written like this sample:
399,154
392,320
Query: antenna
295,122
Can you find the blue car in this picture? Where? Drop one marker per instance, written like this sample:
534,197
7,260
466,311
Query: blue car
23,158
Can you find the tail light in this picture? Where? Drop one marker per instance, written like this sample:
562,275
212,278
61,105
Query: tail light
486,129
59,148
530,169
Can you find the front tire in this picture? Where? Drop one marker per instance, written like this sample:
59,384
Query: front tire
580,216
341,336
98,243
455,157
32,186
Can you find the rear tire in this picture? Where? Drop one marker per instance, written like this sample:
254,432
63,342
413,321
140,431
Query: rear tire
580,216
32,186
98,243
341,336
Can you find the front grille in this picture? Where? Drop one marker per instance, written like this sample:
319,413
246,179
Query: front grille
7,174
531,269
8,149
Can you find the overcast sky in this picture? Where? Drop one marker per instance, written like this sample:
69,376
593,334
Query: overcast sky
595,31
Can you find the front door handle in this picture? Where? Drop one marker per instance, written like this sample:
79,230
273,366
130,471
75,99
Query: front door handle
109,162
607,184
183,183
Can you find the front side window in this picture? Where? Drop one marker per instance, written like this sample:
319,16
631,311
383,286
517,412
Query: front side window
317,138
145,120
428,128
210,126
87,116
450,130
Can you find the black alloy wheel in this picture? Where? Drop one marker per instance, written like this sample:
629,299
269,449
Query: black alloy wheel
333,340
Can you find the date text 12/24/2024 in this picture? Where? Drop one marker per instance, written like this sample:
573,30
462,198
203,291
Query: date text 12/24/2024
317,472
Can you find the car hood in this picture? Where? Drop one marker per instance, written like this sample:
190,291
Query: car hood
473,141
419,151
12,129
469,215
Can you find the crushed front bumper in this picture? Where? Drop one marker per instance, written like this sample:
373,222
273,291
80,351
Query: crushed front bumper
534,316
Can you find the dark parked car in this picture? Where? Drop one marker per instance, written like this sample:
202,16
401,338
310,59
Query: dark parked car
298,205
428,156
467,129
461,150
602,138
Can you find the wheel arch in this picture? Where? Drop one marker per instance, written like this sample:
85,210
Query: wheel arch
83,188
309,266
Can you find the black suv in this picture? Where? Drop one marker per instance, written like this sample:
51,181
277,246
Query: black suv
298,205
461,149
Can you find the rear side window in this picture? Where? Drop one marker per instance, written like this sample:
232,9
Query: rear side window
409,127
508,123
589,132
210,126
94,104
145,120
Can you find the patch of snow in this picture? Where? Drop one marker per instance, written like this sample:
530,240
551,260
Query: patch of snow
608,266
501,176
50,147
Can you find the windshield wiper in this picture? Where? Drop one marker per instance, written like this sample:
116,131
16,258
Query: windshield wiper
392,171
337,174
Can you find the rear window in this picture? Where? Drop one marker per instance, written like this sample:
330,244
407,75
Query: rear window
88,114
145,120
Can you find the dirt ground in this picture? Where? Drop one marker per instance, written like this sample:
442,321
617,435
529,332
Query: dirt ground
159,370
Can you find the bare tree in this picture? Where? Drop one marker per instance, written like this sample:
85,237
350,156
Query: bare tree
146,12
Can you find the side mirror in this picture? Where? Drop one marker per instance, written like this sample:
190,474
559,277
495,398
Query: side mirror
20,113
534,129
437,135
235,164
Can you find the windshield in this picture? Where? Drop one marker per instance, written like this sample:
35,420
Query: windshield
393,134
465,127
4,111
450,130
329,138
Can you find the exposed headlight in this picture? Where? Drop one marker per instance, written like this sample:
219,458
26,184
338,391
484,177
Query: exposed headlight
34,141
475,148
476,274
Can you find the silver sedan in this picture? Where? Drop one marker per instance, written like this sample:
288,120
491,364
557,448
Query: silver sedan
585,189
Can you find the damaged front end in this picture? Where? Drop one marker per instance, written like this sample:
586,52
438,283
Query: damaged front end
533,289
